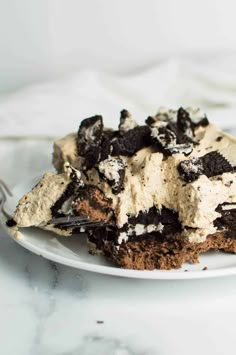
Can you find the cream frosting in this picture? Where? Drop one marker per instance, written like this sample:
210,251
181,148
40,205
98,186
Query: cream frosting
150,179
65,150
34,208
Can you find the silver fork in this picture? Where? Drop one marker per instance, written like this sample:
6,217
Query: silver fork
5,193
76,221
65,221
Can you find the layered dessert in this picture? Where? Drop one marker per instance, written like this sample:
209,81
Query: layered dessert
149,196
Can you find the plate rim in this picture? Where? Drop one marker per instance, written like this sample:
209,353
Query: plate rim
110,270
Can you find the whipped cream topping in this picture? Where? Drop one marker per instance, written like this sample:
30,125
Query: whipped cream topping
65,150
152,179
34,208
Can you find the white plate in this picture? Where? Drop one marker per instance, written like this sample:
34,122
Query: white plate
73,251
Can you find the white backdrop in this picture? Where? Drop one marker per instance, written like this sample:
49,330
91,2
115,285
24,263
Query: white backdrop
40,39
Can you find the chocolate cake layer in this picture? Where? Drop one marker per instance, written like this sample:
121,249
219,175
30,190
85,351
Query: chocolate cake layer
151,253
92,203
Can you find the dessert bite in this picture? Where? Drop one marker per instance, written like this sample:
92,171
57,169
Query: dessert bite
154,195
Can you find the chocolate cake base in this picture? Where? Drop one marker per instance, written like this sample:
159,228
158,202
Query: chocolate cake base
150,254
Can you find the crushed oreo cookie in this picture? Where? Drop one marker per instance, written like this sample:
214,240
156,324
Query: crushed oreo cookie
150,120
170,132
92,156
105,147
219,139
132,141
89,140
168,219
126,122
70,191
113,171
227,221
210,164
190,170
175,137
201,123
11,223
90,132
185,126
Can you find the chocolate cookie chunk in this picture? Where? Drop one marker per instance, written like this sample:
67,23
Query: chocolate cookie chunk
165,139
210,164
92,156
89,140
176,136
202,122
126,122
132,141
89,133
113,171
168,218
105,147
185,126
227,219
150,121
90,130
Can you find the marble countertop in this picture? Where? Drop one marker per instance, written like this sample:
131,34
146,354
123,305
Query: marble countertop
50,309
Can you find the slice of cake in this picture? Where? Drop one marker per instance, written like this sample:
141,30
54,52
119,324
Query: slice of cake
160,193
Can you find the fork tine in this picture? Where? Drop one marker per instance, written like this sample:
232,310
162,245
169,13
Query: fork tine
68,220
4,188
4,192
76,221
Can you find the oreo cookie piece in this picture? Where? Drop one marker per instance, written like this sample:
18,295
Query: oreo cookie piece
210,164
124,114
227,220
105,147
113,171
165,140
90,133
132,141
190,170
162,221
175,136
126,122
202,122
150,121
92,156
198,117
162,118
89,140
185,126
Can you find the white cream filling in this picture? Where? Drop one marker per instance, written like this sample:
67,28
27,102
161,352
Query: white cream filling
110,169
229,207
